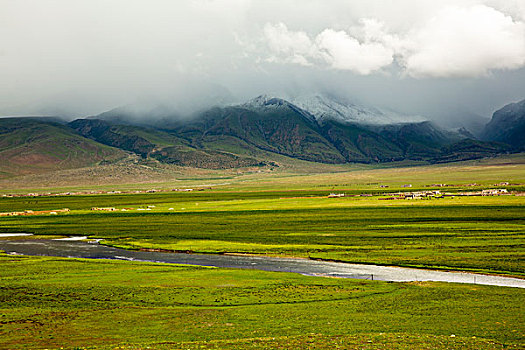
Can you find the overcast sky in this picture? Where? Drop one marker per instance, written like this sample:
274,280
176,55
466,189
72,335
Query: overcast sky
429,57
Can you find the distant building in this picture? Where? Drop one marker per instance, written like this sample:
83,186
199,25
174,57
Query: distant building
494,192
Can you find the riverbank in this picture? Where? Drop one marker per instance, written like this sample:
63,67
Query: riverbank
73,247
482,234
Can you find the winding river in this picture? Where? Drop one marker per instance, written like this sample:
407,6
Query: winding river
73,248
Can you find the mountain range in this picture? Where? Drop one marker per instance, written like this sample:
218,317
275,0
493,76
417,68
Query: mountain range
314,128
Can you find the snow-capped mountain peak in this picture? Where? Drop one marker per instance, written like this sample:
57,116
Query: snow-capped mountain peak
265,101
329,108
269,102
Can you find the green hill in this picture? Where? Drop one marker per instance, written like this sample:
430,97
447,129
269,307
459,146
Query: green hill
38,145
470,149
418,141
140,140
163,146
262,132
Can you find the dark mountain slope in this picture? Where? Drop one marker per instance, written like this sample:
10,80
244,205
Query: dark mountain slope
386,143
247,135
359,144
470,149
507,125
269,124
418,141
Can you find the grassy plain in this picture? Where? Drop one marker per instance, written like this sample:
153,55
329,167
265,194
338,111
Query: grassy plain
466,233
292,175
54,303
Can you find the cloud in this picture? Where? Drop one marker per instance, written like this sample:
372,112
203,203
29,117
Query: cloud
335,49
289,46
342,51
122,51
466,42
469,41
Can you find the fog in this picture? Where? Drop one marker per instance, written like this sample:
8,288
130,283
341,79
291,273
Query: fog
441,59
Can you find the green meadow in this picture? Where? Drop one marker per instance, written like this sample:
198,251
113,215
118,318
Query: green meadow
66,303
467,233
75,303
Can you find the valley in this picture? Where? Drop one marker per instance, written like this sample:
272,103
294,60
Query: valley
249,174
48,301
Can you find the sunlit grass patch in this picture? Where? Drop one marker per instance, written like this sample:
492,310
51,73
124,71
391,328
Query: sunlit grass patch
56,302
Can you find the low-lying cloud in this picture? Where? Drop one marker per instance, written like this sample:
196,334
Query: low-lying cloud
77,58
456,42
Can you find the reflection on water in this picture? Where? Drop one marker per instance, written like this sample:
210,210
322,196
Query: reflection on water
79,249
14,234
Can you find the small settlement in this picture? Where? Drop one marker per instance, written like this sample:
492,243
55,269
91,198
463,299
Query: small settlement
439,194
35,212
84,193
430,194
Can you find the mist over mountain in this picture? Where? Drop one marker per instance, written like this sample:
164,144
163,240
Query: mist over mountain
328,129
320,107
139,115
321,129
259,133
350,81
447,61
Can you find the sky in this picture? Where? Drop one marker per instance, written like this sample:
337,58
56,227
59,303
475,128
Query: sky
442,59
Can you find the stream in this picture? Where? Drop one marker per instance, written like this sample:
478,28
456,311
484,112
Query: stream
75,248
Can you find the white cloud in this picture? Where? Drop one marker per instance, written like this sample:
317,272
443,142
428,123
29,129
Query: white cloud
335,49
465,42
290,46
342,51
114,52
468,41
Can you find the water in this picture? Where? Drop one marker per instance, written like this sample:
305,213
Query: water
79,249
14,234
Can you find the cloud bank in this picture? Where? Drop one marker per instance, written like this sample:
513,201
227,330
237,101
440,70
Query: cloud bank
468,41
76,57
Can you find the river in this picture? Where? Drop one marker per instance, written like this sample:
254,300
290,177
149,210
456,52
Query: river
72,248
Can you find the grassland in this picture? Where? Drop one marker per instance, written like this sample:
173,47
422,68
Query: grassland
54,303
292,174
466,233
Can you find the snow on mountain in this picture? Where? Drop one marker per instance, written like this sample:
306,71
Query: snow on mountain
328,108
265,102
